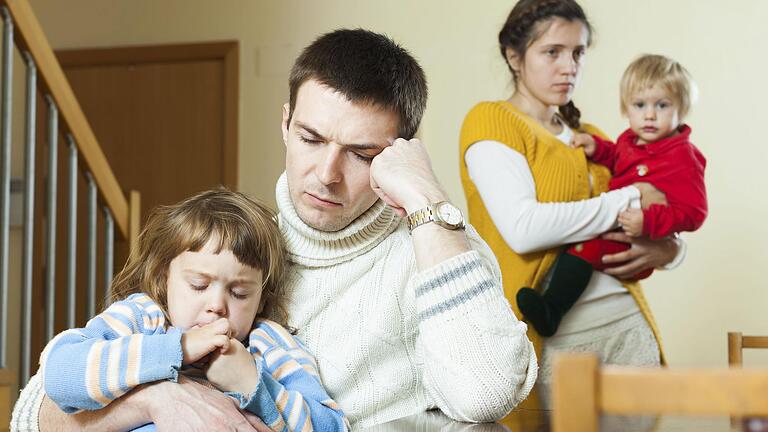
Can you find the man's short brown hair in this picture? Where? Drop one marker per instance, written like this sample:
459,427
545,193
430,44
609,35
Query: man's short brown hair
365,67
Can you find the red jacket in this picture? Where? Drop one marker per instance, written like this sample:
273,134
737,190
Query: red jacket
673,165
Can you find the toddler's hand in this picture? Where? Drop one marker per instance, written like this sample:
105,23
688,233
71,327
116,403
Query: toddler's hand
233,370
631,221
586,141
198,342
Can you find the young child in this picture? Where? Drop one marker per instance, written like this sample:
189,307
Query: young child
190,296
656,95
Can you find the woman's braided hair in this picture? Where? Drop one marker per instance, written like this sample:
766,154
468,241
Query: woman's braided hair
520,31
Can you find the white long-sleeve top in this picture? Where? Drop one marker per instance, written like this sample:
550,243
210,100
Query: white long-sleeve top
505,183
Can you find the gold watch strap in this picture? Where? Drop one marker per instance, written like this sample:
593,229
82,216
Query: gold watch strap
420,217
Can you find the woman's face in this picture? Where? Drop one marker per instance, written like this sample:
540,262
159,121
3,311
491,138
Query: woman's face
550,69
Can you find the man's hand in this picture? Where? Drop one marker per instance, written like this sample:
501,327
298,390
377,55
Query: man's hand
631,221
402,176
649,195
643,254
234,370
198,342
586,142
186,405
190,406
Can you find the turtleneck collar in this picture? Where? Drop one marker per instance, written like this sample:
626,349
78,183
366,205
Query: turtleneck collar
314,248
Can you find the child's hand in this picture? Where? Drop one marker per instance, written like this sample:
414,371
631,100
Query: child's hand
649,195
233,370
198,342
586,141
631,221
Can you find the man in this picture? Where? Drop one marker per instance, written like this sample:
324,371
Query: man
400,322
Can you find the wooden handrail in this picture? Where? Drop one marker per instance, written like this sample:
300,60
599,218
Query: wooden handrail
29,36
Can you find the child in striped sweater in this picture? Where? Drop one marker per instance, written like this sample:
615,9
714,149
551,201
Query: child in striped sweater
188,302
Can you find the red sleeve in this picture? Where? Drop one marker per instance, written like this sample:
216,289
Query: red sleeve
605,152
687,207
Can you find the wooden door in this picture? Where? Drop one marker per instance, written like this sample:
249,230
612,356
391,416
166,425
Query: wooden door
165,116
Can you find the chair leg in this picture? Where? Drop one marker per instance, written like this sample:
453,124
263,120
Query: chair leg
574,393
735,345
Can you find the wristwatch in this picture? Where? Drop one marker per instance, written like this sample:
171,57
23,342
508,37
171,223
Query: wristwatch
442,213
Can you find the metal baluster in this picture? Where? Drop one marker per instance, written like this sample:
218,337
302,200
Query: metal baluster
50,214
109,253
29,217
92,208
5,181
72,237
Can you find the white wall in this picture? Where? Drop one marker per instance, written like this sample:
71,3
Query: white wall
719,288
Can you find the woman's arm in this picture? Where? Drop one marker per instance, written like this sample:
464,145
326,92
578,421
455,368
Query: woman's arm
506,185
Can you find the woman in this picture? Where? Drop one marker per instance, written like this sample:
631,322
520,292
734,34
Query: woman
529,192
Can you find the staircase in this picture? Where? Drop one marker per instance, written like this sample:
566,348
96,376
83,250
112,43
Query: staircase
30,296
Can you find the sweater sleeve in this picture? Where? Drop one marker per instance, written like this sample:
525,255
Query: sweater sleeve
682,181
506,186
478,362
289,396
605,152
686,210
124,346
27,407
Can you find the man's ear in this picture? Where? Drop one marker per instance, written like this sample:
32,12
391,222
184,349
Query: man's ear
286,119
513,59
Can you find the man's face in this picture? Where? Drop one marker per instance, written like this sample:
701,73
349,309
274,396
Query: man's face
330,143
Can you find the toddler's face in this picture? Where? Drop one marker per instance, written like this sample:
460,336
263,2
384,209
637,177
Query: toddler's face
204,286
652,114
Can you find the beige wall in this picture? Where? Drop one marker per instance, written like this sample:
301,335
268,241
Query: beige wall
719,288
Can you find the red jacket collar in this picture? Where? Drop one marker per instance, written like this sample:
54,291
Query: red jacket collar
630,138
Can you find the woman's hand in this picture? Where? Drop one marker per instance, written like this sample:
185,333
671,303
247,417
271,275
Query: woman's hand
649,195
644,253
234,370
198,342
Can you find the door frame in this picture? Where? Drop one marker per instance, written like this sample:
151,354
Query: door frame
228,52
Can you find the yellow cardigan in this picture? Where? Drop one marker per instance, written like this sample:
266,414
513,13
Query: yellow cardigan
560,173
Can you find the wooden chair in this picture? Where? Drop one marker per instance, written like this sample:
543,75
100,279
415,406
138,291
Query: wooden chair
582,390
737,342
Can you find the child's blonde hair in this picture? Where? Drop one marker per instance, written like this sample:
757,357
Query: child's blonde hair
246,227
653,69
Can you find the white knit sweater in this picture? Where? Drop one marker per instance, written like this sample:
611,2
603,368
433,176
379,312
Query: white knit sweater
391,341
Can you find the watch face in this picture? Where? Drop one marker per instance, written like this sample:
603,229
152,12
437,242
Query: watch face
450,214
